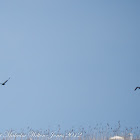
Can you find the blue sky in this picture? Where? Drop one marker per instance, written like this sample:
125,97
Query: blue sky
71,63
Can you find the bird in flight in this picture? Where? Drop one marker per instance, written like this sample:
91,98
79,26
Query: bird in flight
137,87
4,82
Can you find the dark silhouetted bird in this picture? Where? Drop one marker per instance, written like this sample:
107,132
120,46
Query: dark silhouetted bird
4,82
137,87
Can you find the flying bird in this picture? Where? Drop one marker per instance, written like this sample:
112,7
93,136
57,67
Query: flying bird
4,82
137,87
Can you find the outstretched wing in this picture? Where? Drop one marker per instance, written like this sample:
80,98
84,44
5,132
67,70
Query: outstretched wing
137,87
6,81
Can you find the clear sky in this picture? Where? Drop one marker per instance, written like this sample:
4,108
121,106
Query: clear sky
71,62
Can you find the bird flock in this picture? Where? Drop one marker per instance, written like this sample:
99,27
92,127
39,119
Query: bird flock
9,78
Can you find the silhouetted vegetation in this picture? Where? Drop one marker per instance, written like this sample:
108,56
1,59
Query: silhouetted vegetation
97,132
